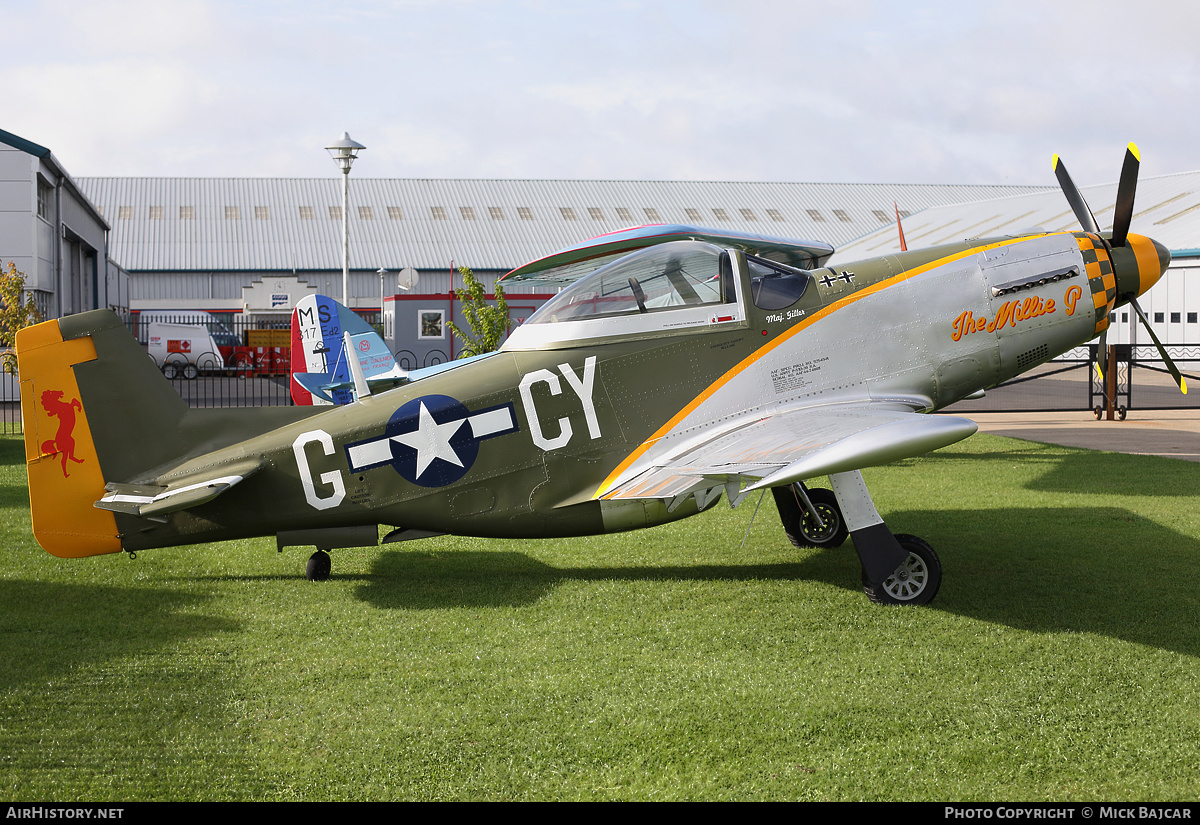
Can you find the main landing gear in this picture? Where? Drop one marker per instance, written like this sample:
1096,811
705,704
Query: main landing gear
896,569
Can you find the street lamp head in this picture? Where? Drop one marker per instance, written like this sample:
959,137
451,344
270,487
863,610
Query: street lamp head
344,152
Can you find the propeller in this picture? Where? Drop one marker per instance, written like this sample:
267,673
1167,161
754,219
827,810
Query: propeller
1127,266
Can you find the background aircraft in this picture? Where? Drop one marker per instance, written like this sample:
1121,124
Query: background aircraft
678,364
323,334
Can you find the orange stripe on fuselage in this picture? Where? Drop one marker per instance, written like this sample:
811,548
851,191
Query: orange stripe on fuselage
778,340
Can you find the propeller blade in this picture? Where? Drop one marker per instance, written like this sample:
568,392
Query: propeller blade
1074,197
1102,356
1161,350
1125,192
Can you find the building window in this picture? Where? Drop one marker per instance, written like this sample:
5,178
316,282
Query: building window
720,214
125,213
568,214
692,214
232,213
187,213
815,215
366,213
262,213
748,214
595,213
335,213
395,213
1191,317
842,216
524,213
1176,318
624,214
438,212
306,213
45,200
496,213
775,215
652,214
1158,317
881,216
467,213
156,213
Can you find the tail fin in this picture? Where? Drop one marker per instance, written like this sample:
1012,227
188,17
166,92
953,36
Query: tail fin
94,409
322,372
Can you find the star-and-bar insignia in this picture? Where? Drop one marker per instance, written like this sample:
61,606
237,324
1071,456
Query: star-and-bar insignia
431,441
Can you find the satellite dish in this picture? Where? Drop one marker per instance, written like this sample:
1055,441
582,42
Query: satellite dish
407,279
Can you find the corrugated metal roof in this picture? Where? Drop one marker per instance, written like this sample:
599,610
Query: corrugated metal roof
1167,208
294,224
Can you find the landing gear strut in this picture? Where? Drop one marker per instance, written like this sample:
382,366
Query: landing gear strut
896,569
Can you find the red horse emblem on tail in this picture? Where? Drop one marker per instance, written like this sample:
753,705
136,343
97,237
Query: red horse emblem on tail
63,442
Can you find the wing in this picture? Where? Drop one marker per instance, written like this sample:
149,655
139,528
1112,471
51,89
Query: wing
786,447
574,262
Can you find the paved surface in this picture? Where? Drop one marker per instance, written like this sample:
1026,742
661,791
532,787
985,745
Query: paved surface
1172,433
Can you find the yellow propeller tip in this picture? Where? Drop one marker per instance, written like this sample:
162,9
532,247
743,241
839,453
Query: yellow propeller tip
1054,162
1183,386
1136,153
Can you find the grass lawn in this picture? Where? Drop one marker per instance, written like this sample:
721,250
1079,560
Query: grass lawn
1060,661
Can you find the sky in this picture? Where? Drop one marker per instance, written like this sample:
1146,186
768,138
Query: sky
840,91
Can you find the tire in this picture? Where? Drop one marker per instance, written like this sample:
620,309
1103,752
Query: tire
190,372
319,566
916,581
798,524
170,372
1099,412
1121,413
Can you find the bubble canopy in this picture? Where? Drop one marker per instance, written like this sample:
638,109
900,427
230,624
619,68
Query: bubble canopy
665,277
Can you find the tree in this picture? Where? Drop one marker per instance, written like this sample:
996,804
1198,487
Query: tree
17,311
489,324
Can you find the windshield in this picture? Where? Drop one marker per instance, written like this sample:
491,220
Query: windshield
658,278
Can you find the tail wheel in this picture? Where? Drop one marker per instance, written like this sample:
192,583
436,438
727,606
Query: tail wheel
798,524
915,581
319,566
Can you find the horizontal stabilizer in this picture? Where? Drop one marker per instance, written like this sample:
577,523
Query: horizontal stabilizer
149,500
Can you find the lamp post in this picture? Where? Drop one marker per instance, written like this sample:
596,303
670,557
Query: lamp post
344,152
382,273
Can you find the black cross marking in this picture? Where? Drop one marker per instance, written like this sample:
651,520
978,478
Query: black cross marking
846,276
826,281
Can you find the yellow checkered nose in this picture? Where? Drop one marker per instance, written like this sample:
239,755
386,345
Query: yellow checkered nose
1139,264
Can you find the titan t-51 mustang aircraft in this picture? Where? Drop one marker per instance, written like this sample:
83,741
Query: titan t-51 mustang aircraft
677,364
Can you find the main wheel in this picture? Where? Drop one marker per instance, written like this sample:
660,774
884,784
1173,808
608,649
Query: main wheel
319,566
799,525
915,581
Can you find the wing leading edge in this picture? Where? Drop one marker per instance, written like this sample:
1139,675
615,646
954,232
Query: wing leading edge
789,446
